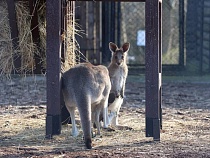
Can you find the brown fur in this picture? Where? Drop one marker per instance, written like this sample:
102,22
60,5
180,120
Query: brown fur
118,71
87,87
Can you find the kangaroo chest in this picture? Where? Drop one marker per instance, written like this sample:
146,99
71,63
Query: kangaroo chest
118,77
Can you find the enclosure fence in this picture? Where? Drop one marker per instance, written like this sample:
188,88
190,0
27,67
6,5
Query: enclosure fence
185,34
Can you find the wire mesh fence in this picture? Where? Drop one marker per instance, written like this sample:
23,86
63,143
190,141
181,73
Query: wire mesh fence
185,34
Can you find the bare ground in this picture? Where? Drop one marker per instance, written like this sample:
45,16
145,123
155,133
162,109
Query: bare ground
185,133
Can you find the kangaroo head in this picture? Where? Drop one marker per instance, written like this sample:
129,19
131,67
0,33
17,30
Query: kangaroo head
119,54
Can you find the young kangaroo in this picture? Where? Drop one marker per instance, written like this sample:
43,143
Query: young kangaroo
87,87
118,71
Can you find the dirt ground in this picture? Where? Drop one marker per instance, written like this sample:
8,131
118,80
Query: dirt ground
185,133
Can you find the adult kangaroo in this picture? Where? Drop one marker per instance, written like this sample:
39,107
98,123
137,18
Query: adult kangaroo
87,87
118,71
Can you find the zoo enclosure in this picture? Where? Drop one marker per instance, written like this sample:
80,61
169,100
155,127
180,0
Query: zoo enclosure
153,67
186,33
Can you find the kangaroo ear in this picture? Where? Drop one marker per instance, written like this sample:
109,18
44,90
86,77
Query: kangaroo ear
112,46
126,47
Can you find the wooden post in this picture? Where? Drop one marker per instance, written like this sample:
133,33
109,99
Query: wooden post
80,15
90,31
35,34
106,54
181,32
53,17
160,61
98,34
14,35
153,68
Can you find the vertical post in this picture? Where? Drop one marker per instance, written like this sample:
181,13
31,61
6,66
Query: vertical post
90,31
98,32
14,35
160,61
201,36
153,68
181,33
118,24
63,29
112,22
35,33
108,29
65,116
105,32
53,17
80,13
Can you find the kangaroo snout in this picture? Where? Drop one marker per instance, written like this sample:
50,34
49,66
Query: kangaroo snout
118,63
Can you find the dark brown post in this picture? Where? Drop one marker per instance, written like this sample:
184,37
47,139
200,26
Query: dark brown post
98,34
80,15
53,17
35,34
153,68
160,60
90,31
14,35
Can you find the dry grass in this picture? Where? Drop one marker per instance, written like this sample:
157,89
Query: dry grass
27,48
185,132
69,40
72,48
23,133
5,41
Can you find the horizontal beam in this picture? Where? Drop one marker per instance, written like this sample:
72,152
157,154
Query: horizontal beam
118,0
112,0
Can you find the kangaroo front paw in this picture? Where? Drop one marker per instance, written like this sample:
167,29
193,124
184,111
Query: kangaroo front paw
115,121
111,116
75,132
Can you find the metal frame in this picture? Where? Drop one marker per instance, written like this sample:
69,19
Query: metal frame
153,67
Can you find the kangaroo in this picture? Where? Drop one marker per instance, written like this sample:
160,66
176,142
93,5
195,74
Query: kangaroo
87,87
118,71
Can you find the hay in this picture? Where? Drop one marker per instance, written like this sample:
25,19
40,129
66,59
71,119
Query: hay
72,47
27,49
69,40
5,41
26,45
41,10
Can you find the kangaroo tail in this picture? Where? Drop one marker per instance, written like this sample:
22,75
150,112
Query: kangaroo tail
84,107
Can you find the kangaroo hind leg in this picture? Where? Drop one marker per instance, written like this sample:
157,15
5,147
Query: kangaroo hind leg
75,132
95,118
107,118
84,108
